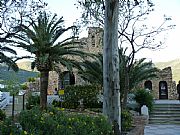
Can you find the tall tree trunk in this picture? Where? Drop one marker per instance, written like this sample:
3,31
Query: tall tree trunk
44,75
124,104
111,103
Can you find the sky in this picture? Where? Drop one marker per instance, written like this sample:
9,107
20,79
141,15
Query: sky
70,13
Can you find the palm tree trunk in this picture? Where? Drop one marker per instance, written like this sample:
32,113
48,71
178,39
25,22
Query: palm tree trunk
44,75
111,93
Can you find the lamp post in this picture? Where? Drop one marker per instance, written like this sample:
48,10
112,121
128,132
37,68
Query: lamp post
23,100
13,106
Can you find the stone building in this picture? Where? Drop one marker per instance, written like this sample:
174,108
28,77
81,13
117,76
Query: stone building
92,44
162,87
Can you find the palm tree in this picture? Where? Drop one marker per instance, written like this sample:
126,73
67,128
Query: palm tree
131,74
40,39
140,70
91,71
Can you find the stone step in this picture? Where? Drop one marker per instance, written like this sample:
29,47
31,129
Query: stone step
165,114
166,106
169,107
178,107
166,110
164,122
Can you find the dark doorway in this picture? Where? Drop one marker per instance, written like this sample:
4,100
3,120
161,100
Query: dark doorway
67,78
148,85
163,90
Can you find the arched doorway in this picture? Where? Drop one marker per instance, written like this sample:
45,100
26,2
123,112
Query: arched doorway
67,78
148,85
163,90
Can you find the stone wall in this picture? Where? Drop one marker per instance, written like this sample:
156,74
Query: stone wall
53,82
34,86
165,75
91,44
139,123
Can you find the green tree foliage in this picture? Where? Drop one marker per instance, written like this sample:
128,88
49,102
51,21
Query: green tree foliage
21,76
91,71
24,86
88,94
32,101
132,75
126,119
31,79
12,15
40,40
141,70
143,97
7,60
55,122
2,115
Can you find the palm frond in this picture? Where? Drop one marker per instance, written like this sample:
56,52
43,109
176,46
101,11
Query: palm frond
7,49
9,62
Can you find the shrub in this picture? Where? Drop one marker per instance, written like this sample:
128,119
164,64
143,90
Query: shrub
8,128
65,104
2,115
32,100
126,120
143,97
56,122
31,79
24,86
89,94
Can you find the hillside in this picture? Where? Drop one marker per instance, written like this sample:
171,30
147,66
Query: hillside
25,65
21,76
174,64
25,70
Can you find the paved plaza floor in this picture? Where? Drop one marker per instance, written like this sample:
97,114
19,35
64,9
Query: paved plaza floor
167,101
152,129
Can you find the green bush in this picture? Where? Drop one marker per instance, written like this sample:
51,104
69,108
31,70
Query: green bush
143,97
24,86
8,128
32,100
65,104
56,122
126,120
89,94
2,115
31,79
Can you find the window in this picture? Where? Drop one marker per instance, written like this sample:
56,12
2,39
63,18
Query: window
148,85
93,41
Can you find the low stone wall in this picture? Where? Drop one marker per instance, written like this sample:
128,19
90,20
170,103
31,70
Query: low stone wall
139,122
138,130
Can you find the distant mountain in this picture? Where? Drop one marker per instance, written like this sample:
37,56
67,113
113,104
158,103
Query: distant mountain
25,70
25,65
21,76
174,64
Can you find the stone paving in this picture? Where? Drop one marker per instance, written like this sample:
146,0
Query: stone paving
167,101
155,129
162,129
18,106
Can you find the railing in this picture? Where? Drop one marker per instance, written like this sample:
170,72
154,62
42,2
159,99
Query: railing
51,98
4,101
